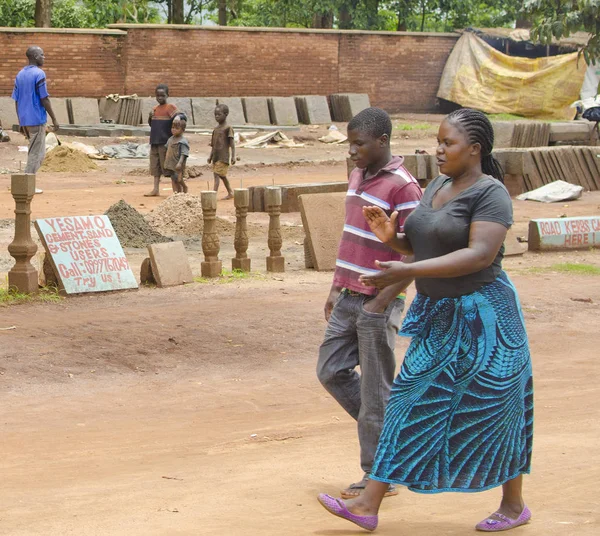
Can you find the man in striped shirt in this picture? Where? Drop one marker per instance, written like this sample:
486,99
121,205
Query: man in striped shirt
362,321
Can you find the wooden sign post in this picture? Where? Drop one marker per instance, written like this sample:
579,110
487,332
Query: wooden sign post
86,254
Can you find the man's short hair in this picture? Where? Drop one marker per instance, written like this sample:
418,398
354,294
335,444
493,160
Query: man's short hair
372,121
223,107
32,51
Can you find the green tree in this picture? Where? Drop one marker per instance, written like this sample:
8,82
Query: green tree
555,19
71,14
17,13
122,11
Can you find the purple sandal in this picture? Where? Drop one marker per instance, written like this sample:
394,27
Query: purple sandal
503,522
338,508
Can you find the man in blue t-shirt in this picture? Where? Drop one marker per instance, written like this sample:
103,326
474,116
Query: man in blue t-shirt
33,104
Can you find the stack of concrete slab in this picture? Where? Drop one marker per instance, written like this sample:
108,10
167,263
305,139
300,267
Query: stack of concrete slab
541,134
344,106
130,111
534,167
236,110
323,220
282,111
290,194
83,111
8,114
256,110
313,109
203,109
104,129
531,134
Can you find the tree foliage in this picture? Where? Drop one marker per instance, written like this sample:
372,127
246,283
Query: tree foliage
555,19
391,15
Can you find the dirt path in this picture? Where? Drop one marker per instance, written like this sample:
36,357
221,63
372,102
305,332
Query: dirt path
117,420
196,411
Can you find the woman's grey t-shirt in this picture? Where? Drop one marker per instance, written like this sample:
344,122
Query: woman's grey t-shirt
436,232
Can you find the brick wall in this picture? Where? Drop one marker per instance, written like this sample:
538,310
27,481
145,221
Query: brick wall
79,63
399,71
231,63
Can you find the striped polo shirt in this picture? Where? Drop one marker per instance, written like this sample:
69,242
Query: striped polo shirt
162,120
393,188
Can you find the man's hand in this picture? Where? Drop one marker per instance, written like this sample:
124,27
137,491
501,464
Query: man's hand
383,227
178,167
55,125
209,159
331,299
233,161
150,115
391,272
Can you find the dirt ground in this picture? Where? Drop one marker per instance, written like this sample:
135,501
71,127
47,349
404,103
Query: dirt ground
196,410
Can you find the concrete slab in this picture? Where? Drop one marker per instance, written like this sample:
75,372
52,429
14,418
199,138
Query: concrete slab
283,111
503,134
236,110
204,111
345,106
358,102
256,110
571,131
108,108
323,218
313,109
291,192
148,103
83,111
61,110
8,113
170,264
512,246
184,104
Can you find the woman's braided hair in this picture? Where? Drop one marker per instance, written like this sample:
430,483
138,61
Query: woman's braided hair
479,130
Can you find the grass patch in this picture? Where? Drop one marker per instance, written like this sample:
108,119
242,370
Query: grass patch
568,268
505,117
230,276
416,126
45,295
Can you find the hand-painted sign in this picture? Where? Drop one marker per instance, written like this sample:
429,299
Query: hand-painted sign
564,233
86,254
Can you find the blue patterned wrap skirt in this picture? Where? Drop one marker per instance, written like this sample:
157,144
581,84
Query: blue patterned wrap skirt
460,414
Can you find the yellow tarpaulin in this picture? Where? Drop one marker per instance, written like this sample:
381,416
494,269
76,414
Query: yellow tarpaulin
479,76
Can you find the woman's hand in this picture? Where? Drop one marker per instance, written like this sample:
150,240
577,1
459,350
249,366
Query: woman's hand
392,272
383,227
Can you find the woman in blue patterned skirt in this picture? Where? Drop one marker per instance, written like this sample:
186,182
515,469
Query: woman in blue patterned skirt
460,415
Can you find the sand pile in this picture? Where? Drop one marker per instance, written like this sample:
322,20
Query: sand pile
181,215
131,227
67,159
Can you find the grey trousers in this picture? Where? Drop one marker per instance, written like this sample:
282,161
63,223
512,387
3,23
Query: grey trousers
37,148
357,337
